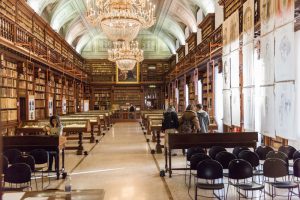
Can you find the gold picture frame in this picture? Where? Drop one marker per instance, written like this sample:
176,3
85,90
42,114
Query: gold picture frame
123,79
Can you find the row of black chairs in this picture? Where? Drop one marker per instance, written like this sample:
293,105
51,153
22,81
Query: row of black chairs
19,168
243,164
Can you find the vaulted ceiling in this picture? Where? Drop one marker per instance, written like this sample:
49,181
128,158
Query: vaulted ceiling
67,17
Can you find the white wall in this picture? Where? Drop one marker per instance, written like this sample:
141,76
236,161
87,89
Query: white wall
199,20
219,14
297,86
187,34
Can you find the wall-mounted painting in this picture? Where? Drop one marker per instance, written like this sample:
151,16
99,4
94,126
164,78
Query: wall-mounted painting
128,76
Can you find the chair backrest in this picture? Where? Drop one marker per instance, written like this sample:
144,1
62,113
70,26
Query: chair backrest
195,159
209,169
213,151
194,150
249,156
288,150
262,151
296,168
224,158
28,159
237,150
18,173
40,156
12,154
279,155
275,168
296,155
4,163
239,169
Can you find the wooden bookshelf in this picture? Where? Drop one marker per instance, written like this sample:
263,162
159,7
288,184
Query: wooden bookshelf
40,93
79,97
71,98
153,72
181,86
102,98
50,91
58,96
207,92
8,96
192,96
123,96
153,97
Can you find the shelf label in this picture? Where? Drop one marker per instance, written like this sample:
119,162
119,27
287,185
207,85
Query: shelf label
50,106
31,107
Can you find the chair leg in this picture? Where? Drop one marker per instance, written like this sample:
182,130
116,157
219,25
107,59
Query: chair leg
36,186
42,180
190,178
196,190
227,190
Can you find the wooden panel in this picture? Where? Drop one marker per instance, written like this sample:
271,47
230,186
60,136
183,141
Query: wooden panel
207,25
230,6
181,52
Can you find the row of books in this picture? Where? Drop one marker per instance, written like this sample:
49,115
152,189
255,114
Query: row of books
8,64
7,131
8,92
9,72
8,103
40,103
8,82
40,81
39,95
102,95
8,115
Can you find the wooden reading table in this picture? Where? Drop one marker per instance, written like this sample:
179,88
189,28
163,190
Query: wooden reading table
72,126
227,140
29,143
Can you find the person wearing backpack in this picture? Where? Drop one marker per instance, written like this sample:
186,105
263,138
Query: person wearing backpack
203,118
189,122
170,124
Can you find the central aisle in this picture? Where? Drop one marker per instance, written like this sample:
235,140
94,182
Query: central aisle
122,165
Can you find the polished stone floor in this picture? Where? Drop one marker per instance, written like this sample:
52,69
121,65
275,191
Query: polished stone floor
122,165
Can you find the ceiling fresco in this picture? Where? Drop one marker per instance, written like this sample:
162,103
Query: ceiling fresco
67,17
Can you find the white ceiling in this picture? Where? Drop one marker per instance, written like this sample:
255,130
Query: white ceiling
172,17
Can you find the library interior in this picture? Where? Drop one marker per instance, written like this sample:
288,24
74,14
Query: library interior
149,99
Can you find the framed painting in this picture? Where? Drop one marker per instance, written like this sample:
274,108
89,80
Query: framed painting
128,76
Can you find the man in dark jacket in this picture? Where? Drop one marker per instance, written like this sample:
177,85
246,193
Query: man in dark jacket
203,118
170,123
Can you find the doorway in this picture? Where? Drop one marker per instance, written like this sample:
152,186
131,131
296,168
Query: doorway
23,108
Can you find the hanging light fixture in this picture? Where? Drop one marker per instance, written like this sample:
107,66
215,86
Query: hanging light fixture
121,19
126,54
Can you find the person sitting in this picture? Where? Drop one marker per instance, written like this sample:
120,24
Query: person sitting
55,128
203,118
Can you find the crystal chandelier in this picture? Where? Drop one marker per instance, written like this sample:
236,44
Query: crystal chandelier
121,19
126,54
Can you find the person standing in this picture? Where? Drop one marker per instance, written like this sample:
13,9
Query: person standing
131,110
56,129
203,118
170,123
189,122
